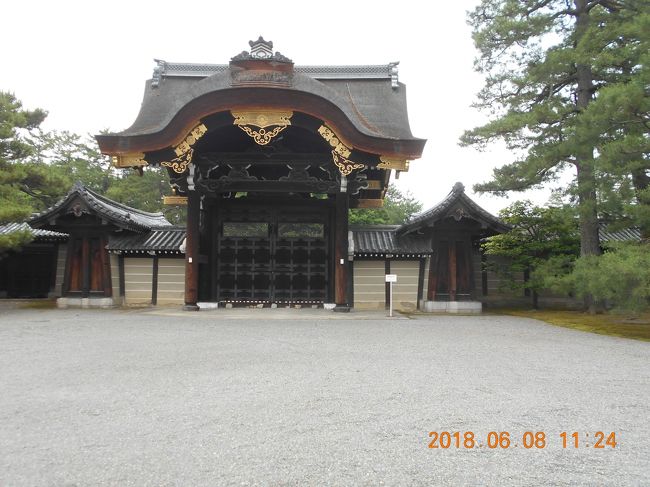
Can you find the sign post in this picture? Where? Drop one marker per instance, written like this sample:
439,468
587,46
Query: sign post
390,279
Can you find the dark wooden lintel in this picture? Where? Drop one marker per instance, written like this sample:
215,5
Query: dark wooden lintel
225,185
260,158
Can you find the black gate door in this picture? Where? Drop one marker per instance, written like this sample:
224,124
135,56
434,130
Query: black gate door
280,260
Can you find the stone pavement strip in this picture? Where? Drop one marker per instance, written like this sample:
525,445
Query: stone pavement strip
310,397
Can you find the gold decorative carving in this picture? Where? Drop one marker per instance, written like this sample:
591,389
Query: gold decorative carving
179,164
129,160
184,151
393,163
340,151
262,126
345,166
175,200
262,136
334,141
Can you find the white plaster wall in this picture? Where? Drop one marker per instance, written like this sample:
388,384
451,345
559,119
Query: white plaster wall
138,274
405,290
171,281
369,284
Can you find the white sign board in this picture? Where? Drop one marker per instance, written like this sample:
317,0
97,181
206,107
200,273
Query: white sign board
391,277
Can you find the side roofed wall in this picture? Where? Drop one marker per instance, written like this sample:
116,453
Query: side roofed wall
138,273
171,281
370,283
138,280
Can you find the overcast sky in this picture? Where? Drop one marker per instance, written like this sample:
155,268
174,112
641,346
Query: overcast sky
86,63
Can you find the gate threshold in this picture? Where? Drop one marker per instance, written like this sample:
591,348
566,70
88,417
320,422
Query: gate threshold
207,305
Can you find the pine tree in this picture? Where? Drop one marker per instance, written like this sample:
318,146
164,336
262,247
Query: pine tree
398,208
15,181
545,62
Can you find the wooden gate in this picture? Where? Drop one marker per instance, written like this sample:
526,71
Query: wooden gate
271,256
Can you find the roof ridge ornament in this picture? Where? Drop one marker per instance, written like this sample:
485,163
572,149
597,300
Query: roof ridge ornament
261,50
158,73
393,69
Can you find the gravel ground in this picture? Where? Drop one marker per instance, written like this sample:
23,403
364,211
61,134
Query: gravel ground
310,397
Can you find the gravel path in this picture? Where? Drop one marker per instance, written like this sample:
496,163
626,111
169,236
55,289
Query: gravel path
309,397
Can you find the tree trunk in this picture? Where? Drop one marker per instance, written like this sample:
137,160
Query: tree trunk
587,203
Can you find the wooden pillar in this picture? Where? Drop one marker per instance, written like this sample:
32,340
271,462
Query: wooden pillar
341,265
387,284
433,275
484,274
212,229
122,280
55,262
68,269
420,297
85,267
469,264
107,282
192,251
351,284
452,270
154,281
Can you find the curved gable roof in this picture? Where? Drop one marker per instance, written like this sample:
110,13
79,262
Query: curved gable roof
457,205
120,215
364,104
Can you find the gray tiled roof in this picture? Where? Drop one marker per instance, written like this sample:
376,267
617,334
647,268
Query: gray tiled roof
371,239
121,215
39,233
158,240
366,94
382,240
455,200
632,234
166,70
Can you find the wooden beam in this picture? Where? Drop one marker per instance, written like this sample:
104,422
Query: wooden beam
368,203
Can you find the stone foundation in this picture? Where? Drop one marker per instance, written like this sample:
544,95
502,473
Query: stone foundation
462,307
85,303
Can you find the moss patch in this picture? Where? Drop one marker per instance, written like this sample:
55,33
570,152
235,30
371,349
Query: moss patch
39,304
636,327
